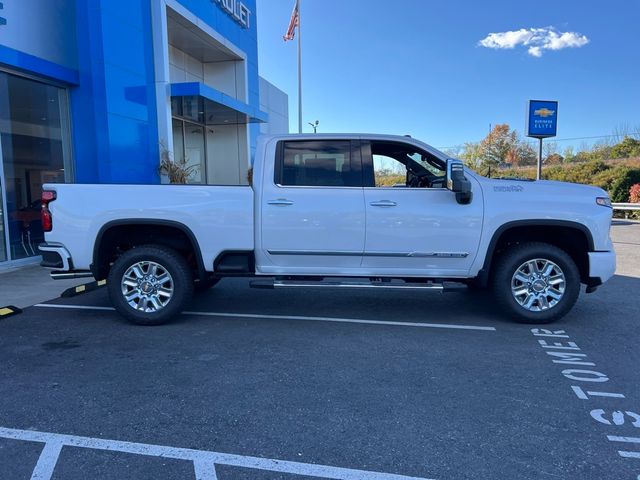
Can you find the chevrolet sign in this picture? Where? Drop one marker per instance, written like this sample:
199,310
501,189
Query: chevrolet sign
236,10
542,118
544,112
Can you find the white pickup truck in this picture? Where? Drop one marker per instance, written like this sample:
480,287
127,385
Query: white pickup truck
321,213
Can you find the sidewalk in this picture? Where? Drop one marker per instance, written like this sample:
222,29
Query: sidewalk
626,242
26,286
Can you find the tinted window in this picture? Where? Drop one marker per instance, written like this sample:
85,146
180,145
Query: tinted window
318,164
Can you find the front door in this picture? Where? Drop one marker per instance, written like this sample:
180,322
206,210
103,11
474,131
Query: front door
414,224
313,213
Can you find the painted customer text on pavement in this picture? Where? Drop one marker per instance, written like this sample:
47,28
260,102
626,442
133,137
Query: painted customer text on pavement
589,386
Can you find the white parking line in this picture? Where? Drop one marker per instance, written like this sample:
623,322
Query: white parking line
47,460
204,461
297,317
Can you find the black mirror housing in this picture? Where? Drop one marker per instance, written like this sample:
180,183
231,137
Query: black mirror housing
457,182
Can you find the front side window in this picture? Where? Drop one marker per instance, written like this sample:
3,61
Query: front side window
401,165
324,163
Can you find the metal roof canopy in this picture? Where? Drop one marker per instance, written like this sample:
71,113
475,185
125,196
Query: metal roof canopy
192,39
219,108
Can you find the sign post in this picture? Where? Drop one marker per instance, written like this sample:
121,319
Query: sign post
542,122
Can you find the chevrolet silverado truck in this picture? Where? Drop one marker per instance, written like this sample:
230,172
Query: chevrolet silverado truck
366,211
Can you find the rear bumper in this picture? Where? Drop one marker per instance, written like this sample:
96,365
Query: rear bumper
55,256
602,266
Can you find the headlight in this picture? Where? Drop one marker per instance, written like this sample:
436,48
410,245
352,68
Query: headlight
603,201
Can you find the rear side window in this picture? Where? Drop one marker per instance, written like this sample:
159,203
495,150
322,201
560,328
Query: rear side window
324,163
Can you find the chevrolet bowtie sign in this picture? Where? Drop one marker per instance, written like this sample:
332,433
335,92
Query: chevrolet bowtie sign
542,118
236,10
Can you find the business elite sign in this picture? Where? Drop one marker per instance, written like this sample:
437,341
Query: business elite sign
542,118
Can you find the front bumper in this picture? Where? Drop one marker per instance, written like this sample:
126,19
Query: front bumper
602,266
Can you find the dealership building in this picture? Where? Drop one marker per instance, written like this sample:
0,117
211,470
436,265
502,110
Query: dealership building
100,91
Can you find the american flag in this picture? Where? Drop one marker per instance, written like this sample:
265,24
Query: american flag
293,23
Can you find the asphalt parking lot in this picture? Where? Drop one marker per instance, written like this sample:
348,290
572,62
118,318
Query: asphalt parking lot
258,384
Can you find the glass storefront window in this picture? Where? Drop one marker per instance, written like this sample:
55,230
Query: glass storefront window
3,246
34,140
189,145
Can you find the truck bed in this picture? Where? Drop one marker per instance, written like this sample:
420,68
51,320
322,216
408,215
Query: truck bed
81,211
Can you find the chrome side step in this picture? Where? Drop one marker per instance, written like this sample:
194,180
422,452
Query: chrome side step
64,275
273,283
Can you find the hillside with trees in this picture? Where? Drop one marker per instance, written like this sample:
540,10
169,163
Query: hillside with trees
611,165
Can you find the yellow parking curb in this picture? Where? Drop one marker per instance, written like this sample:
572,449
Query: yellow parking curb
87,287
8,311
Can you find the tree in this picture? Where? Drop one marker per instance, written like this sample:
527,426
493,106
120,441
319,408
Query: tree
601,150
496,147
554,159
526,154
549,149
568,154
471,154
504,145
627,148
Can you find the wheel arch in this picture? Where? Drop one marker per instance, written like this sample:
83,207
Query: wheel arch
573,237
138,231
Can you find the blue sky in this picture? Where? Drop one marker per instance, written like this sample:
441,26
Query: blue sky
415,66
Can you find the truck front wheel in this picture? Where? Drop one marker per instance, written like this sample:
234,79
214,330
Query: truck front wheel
148,285
535,282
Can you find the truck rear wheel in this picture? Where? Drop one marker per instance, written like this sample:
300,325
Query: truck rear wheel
536,282
149,285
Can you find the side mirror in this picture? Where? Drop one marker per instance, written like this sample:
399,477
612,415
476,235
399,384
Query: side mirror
457,182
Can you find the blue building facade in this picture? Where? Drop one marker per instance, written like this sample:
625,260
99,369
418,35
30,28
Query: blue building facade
100,91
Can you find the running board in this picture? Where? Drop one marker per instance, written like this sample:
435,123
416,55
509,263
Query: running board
64,275
272,283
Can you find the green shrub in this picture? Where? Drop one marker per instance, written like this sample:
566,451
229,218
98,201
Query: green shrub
615,178
629,147
606,178
621,186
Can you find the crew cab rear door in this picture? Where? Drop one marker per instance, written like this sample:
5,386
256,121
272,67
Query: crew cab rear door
414,224
312,208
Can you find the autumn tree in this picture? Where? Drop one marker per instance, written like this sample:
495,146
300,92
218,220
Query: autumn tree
502,145
497,147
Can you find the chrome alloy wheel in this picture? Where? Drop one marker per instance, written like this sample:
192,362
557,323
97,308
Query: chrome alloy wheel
538,285
147,286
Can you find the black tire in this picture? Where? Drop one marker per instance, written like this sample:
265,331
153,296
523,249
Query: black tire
200,286
509,263
169,261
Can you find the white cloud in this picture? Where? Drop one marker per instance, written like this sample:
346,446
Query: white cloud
535,51
537,39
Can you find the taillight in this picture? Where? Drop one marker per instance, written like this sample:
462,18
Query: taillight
48,196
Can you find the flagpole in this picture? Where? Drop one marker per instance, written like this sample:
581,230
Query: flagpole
299,70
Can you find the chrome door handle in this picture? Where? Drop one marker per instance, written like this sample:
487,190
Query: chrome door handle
383,203
283,202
